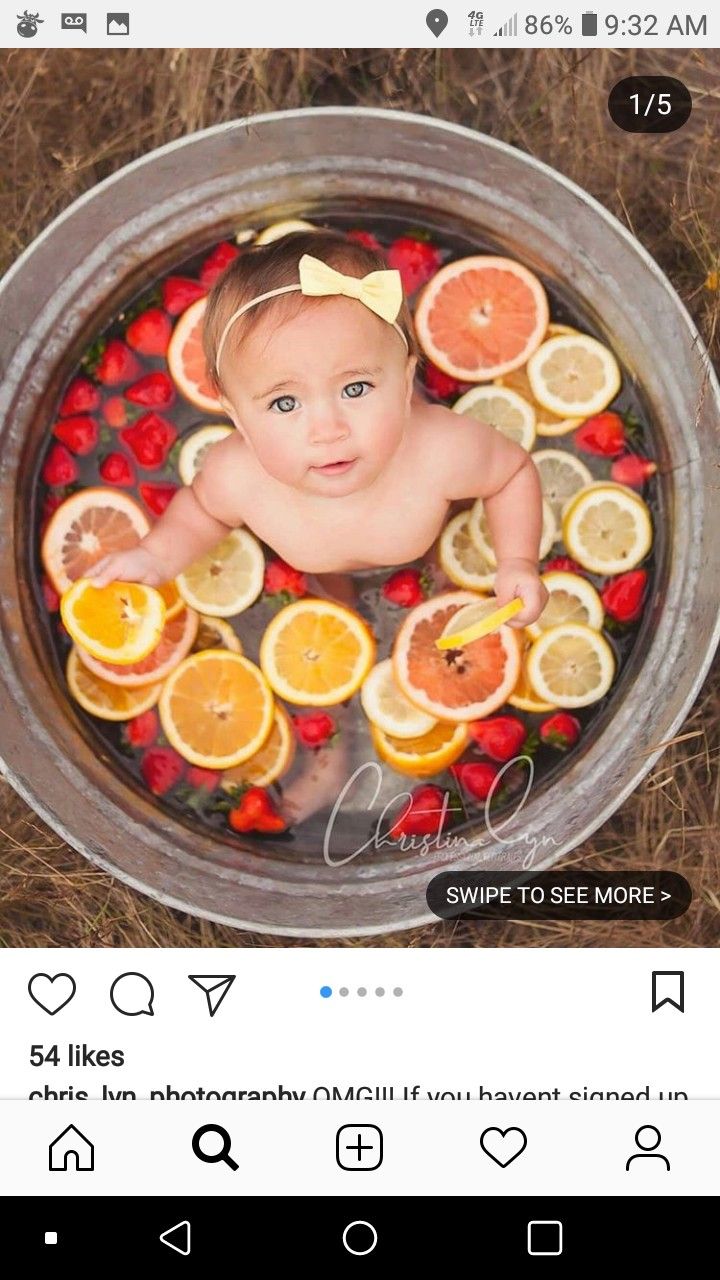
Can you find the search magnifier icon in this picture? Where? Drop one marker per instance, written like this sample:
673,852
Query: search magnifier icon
213,1156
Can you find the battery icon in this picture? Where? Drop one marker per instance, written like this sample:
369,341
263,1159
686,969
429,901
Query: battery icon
589,23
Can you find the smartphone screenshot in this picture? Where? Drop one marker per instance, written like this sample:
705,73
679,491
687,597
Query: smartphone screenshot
359,613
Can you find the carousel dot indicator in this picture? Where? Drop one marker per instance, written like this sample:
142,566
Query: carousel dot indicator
397,991
362,991
343,991
325,992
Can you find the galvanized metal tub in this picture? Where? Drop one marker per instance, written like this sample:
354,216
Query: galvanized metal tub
158,210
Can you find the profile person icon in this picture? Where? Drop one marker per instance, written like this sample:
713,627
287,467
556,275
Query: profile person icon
647,1139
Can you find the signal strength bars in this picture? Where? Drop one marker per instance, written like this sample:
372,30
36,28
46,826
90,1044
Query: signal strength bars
508,28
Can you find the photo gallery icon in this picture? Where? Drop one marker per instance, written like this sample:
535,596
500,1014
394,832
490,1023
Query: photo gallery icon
118,24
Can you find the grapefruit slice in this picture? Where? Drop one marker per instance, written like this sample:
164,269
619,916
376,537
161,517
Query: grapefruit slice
176,641
480,317
89,525
186,359
449,684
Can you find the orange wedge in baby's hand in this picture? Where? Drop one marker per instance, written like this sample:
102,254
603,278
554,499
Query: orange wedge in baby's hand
121,623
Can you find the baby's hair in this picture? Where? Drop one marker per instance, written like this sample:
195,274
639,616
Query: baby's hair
270,266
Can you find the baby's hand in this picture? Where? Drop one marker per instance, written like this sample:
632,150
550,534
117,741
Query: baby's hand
135,565
521,578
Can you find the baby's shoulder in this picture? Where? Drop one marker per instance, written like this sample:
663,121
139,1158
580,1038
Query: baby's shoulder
223,480
439,428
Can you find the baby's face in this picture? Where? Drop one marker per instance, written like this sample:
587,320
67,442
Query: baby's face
331,385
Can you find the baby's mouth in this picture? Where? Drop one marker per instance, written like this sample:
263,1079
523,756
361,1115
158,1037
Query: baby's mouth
335,468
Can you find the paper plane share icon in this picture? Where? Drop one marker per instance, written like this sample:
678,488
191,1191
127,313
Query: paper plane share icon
215,986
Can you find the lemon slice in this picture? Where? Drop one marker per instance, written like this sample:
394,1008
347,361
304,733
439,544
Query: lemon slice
121,623
546,423
316,653
193,451
475,621
386,706
479,531
226,580
463,562
523,696
503,409
277,230
424,756
607,528
554,329
215,633
574,375
562,475
104,700
571,665
572,599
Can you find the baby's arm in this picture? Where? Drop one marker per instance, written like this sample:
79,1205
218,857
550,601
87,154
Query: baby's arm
483,463
198,517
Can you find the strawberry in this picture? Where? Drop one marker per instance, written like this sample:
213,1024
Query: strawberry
622,597
416,260
157,496
50,596
60,467
202,779
115,468
80,434
115,412
633,470
560,730
440,385
563,563
282,579
82,396
426,813
178,292
255,812
216,262
604,435
477,779
149,334
117,364
161,768
405,588
154,390
142,730
150,439
499,737
365,238
49,507
314,728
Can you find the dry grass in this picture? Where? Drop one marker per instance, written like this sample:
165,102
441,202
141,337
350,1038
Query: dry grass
68,119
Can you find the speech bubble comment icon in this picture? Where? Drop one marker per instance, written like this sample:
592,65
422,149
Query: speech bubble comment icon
132,994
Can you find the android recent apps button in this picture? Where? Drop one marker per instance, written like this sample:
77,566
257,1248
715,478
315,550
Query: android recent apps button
559,895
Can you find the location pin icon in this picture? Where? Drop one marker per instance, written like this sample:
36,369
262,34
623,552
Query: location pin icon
437,21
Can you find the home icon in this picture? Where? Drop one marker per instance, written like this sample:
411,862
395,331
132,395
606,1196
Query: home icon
71,1150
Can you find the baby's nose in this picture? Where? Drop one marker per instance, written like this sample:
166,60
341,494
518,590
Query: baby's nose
327,427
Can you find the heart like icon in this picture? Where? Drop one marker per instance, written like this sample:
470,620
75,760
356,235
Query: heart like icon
503,1145
52,994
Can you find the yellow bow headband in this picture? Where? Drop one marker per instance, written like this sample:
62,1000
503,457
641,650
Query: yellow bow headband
381,291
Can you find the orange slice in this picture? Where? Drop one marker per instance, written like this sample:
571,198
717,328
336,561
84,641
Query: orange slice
176,640
216,633
216,709
316,653
271,761
479,317
186,359
421,757
104,700
120,623
89,525
174,603
451,684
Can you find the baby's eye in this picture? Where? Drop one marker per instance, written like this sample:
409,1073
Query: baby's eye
284,404
354,390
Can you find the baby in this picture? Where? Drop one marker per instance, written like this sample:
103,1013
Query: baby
337,464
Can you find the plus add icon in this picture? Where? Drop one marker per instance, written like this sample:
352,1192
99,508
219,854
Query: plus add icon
359,1146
